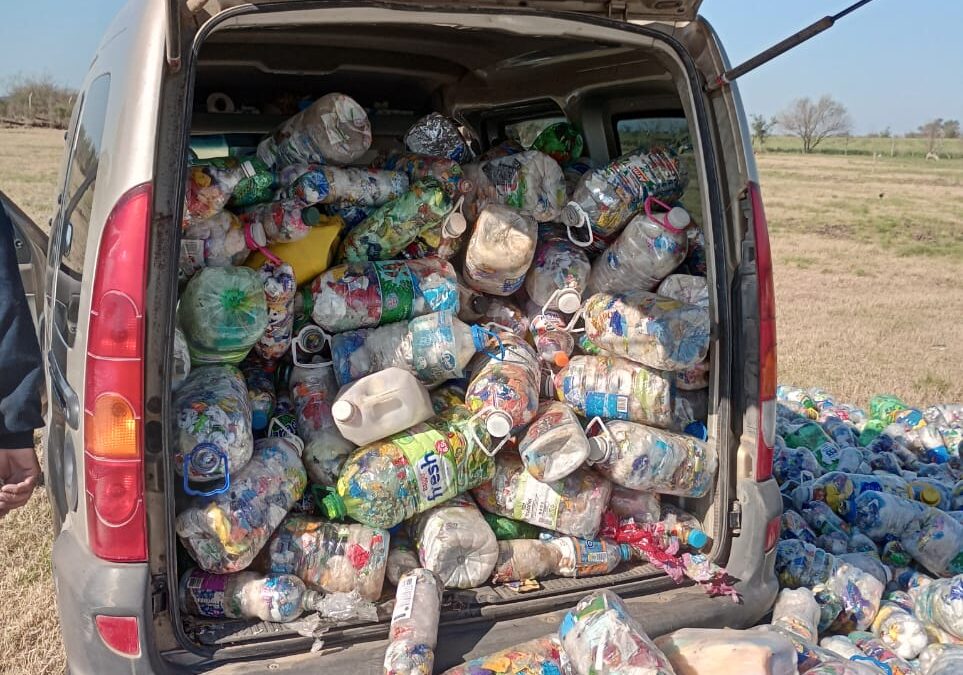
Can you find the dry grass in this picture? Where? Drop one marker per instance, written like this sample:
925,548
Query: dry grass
868,294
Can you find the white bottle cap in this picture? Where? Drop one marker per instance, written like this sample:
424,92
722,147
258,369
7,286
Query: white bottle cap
568,300
571,216
342,411
598,449
498,423
456,225
679,218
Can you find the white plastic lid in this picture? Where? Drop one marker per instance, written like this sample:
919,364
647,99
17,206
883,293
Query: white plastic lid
598,449
679,218
568,300
456,225
499,423
571,216
342,410
257,234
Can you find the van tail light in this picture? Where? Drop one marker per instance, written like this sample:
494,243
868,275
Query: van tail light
767,337
114,390
773,530
120,633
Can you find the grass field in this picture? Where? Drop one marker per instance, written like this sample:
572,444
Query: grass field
949,148
868,259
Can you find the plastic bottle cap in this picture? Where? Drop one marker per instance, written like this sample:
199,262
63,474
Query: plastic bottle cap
560,359
259,420
598,449
256,230
679,218
343,410
929,495
570,216
569,301
311,216
456,225
697,539
499,423
333,505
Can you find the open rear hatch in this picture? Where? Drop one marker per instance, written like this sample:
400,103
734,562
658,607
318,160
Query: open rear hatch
485,71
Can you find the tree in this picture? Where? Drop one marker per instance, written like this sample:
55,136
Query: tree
37,101
761,128
932,131
951,129
815,121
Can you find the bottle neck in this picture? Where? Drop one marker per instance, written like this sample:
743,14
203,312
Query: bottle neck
600,449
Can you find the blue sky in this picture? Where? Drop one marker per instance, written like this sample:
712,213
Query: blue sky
893,63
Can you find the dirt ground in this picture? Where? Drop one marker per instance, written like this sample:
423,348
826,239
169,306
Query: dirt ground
868,259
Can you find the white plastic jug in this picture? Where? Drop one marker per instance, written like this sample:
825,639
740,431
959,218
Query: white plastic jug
381,404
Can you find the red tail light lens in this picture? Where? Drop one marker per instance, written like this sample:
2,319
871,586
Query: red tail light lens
767,337
120,633
114,389
773,528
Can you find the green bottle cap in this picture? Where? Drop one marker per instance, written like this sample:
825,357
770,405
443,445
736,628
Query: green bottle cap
334,506
311,216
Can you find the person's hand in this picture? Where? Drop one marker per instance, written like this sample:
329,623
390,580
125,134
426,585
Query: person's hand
19,472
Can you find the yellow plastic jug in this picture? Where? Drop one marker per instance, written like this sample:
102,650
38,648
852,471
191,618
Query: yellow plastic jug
309,256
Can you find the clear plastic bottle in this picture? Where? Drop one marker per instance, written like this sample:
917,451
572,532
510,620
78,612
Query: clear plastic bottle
643,458
225,532
559,273
840,490
365,295
686,288
601,636
387,482
218,241
932,492
935,541
650,329
899,630
388,230
442,241
330,557
260,393
554,445
244,595
572,506
347,186
282,221
542,655
334,129
646,252
223,313
642,507
939,604
725,651
588,557
796,610
685,526
794,526
941,659
435,347
446,171
381,404
549,334
181,364
210,183
880,515
530,181
607,198
402,557
500,250
508,528
279,290
872,647
522,559
313,390
616,388
256,186
213,424
801,564
414,624
505,390
456,543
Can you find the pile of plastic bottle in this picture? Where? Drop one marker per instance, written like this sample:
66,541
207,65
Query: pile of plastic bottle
439,367
872,533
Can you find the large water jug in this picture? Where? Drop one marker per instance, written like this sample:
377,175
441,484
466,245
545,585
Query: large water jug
381,404
500,250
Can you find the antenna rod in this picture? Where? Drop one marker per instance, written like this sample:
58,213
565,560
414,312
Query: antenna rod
793,40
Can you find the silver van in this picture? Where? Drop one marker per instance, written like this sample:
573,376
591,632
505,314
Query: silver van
624,71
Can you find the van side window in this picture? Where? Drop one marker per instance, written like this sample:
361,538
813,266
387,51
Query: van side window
78,198
668,130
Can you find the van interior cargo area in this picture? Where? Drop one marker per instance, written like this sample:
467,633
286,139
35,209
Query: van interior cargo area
485,78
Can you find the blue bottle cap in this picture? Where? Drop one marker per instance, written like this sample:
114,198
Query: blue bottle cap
697,539
259,420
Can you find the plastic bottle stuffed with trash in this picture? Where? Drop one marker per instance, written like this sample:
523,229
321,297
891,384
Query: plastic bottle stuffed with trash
387,482
210,183
606,198
260,393
282,221
495,312
181,362
334,129
872,647
530,181
389,229
831,530
443,240
256,186
435,347
645,253
616,388
801,564
456,543
225,532
522,559
840,490
935,541
313,390
860,594
794,526
330,557
601,636
347,186
448,395
365,295
941,659
279,289
223,313
899,630
682,524
572,505
880,515
435,134
551,338
446,171
380,404
542,655
505,390
725,651
932,492
559,273
500,250
244,595
413,634
940,604
796,611
642,507
554,445
643,458
218,241
402,557
214,438
686,288
655,331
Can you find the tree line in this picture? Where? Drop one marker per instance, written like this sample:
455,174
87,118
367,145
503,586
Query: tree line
813,121
36,101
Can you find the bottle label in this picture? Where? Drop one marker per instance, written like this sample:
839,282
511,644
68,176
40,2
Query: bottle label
431,459
404,598
591,557
433,348
538,503
207,595
397,292
609,406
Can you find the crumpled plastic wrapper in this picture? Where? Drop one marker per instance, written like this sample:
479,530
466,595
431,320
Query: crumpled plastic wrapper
437,135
